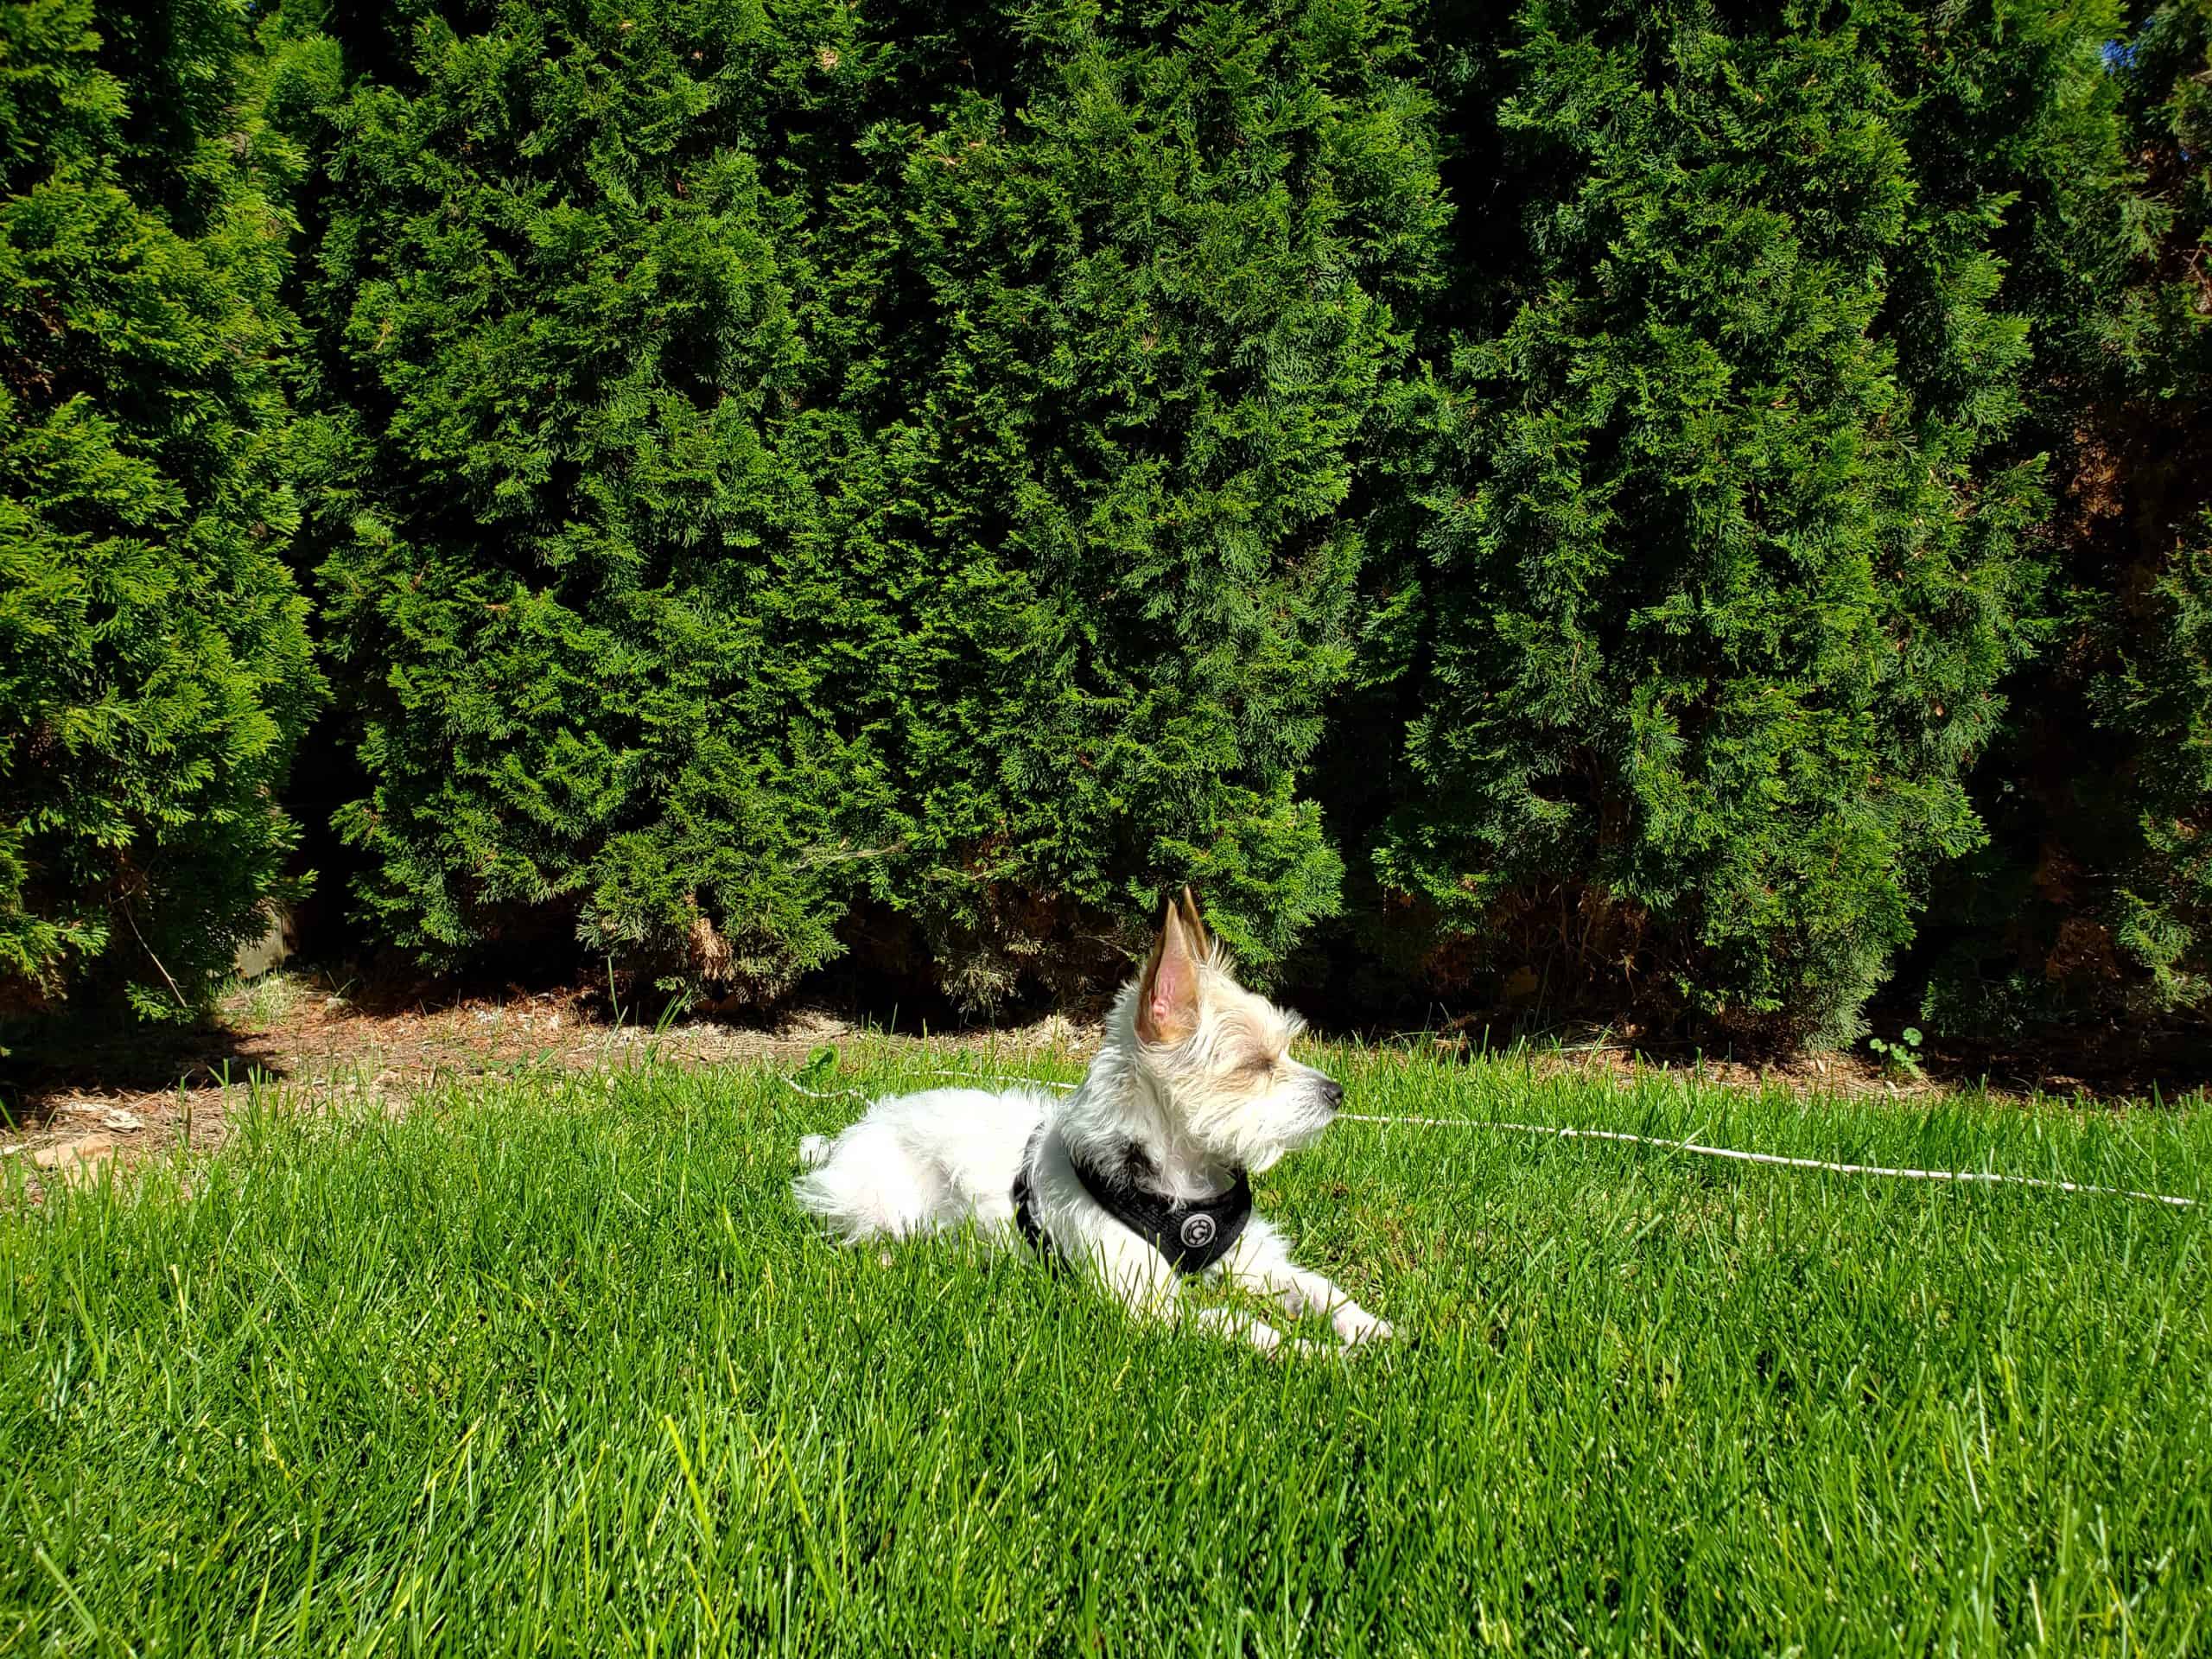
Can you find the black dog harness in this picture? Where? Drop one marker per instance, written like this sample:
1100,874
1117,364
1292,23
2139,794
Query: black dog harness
1191,1233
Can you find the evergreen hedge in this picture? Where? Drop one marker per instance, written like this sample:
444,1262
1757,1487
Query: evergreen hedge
154,664
1688,509
776,459
1726,556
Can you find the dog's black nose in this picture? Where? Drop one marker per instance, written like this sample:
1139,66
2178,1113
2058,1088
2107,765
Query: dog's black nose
1332,1093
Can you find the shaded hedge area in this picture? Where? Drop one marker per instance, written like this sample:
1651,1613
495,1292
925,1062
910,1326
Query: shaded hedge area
1695,512
2090,906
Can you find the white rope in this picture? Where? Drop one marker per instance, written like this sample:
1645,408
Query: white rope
827,1094
965,1077
1772,1159
1985,1177
982,1076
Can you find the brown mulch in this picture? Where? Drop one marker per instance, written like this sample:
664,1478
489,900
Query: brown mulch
88,1095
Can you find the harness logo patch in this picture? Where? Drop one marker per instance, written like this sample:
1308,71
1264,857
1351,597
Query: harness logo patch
1197,1232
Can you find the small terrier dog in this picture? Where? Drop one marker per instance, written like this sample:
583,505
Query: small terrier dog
1140,1176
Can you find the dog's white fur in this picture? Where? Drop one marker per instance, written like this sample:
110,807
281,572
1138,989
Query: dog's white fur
1194,1070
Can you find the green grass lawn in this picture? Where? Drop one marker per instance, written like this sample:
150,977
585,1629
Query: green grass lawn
553,1365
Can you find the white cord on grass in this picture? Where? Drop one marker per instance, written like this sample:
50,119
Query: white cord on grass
1034,1083
965,1077
1772,1159
826,1094
1776,1160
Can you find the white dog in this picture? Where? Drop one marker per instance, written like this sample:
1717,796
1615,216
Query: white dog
1140,1176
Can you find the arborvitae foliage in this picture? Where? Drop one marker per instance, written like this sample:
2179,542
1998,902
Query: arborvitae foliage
1722,574
2094,905
772,458
580,365
155,667
1164,265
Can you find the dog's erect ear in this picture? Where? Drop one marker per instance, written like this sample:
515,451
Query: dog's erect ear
1168,995
1201,941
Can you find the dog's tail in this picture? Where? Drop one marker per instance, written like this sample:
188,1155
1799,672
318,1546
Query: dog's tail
863,1184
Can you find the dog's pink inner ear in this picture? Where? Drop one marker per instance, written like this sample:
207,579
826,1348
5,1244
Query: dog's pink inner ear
1168,999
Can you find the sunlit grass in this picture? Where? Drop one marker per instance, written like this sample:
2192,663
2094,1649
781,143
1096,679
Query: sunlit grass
552,1364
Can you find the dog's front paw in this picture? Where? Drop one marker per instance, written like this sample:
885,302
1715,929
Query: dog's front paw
1356,1324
